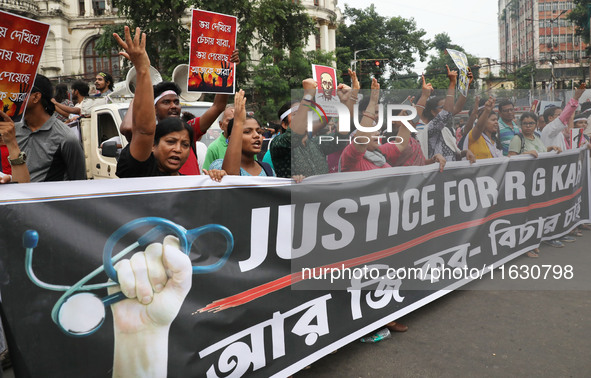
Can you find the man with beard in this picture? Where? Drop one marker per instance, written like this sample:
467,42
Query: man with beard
103,82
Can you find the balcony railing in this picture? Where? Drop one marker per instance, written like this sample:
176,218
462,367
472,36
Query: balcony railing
23,7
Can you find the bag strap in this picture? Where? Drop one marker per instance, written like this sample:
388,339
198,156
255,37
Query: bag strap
266,167
522,143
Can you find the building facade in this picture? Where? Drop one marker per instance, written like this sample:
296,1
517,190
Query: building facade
75,26
538,32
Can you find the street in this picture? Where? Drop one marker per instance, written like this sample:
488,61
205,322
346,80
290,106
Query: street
492,328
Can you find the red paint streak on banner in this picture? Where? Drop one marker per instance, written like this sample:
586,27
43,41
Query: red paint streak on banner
283,282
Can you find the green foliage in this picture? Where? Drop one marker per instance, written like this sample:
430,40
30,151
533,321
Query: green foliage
436,72
580,17
523,76
273,82
278,24
409,80
281,28
393,38
168,38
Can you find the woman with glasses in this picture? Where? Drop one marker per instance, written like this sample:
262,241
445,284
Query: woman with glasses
528,142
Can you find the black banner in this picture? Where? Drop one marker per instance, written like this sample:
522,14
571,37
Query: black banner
313,266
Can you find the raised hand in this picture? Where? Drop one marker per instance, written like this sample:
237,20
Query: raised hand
344,92
489,104
135,48
427,88
309,86
452,75
156,283
580,90
476,103
354,81
375,91
240,106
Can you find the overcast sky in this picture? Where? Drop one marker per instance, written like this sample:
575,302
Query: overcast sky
471,24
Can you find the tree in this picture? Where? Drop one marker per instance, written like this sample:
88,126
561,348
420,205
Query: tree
283,28
395,39
580,17
523,76
161,21
435,72
273,82
277,30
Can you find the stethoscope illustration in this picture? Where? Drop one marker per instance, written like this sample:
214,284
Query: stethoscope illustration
80,313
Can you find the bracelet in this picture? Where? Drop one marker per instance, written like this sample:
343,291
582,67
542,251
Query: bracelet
369,115
420,106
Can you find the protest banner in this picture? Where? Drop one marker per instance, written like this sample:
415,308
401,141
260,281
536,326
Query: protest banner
313,266
21,45
326,78
213,39
461,62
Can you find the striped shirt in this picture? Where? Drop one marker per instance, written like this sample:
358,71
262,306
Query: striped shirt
506,134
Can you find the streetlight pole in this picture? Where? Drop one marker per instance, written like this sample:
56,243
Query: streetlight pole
354,62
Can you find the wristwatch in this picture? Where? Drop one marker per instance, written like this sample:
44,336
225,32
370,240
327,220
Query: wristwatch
21,159
307,97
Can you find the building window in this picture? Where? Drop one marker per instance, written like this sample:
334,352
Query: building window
94,63
317,35
316,3
81,8
98,6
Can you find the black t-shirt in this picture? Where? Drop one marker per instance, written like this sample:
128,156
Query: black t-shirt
127,166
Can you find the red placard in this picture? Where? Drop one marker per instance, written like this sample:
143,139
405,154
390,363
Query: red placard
213,39
21,45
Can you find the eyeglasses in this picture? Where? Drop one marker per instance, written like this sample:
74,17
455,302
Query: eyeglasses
510,110
528,123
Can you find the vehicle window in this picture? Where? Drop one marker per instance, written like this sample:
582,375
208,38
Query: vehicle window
107,128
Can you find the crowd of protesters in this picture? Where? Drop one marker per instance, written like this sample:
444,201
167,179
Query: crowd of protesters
162,142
